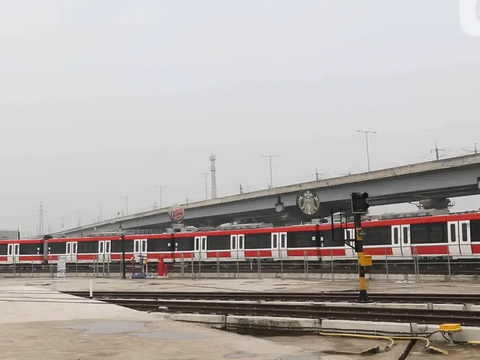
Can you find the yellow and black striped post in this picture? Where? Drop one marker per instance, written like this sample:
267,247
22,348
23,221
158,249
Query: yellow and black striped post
363,260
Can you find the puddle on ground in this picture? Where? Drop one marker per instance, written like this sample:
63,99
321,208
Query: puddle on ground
108,327
239,356
168,335
79,341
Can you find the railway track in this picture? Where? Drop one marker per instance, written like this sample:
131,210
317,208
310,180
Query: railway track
349,296
421,316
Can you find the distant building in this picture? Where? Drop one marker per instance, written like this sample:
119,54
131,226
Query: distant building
8,234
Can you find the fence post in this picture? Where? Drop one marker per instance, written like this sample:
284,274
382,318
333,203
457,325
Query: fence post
182,262
218,265
331,264
259,265
193,269
281,264
386,264
32,268
449,268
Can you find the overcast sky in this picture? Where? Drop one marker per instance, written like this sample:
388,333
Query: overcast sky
105,99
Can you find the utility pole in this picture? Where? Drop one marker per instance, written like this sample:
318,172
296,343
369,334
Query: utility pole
475,151
437,150
213,171
63,223
79,223
40,219
161,187
317,174
206,184
271,170
122,239
126,204
100,212
366,141
241,189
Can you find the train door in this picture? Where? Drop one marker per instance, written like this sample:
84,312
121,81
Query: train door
13,253
406,240
401,242
71,251
104,250
200,247
465,237
140,248
237,246
453,245
279,245
349,236
459,240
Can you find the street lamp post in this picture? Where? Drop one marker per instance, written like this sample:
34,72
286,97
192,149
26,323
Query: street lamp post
161,187
271,170
366,142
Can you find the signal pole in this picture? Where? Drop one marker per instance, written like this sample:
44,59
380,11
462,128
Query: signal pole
360,205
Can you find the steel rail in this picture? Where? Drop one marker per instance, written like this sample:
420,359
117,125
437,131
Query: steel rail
348,296
466,318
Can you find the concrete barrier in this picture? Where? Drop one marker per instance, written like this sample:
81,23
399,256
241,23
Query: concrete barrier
272,322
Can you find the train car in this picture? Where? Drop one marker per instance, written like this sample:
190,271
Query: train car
397,237
21,251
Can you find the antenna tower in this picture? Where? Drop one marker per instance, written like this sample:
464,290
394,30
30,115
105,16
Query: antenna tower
213,170
40,220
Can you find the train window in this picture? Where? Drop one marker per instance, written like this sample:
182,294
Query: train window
68,248
144,246
233,240
56,248
240,241
117,246
475,230
3,249
219,242
101,247
453,233
258,241
405,235
429,233
420,234
137,246
336,241
184,244
155,245
377,235
301,239
395,236
28,249
464,232
438,233
282,240
204,243
87,247
274,241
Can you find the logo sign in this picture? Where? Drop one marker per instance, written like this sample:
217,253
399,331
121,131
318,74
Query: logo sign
469,21
308,202
176,213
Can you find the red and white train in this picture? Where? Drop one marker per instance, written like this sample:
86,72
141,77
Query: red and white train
455,235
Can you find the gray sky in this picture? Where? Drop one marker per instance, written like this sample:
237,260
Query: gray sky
104,99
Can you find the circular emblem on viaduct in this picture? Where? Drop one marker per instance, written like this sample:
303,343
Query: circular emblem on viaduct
308,202
176,213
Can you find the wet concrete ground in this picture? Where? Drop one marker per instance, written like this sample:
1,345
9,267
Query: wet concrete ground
102,284
34,321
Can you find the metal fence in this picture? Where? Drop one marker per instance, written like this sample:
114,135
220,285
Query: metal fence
389,268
